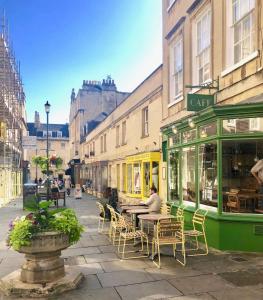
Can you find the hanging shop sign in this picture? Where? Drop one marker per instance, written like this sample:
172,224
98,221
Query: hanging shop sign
197,102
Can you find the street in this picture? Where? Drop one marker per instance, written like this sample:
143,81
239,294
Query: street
219,275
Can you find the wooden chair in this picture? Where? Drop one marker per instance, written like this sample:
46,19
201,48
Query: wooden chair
102,217
169,232
234,202
127,233
197,232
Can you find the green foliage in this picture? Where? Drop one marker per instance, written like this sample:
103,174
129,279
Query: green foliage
42,162
43,219
67,222
22,234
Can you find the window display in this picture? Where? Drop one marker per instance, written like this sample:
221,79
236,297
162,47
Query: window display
137,178
129,179
173,175
208,174
188,174
242,176
146,179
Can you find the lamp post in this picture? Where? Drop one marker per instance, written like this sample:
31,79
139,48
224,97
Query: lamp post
47,109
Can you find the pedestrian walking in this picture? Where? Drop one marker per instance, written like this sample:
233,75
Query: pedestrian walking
68,185
78,191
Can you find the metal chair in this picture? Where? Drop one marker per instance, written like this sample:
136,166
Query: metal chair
197,232
102,217
115,225
127,233
169,232
180,211
165,209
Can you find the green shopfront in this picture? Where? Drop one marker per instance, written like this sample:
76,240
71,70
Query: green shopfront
209,160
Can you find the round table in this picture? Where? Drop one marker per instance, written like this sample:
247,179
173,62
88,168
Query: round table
124,208
135,212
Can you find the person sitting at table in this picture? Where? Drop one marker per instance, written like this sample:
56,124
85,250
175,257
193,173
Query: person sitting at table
154,202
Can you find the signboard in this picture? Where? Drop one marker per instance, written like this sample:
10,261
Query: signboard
197,102
29,142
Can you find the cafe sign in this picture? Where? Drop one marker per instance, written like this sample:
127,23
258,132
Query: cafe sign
197,102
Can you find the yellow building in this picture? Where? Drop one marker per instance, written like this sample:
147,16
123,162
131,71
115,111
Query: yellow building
123,151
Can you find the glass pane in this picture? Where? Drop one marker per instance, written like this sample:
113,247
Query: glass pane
242,182
207,130
237,53
248,125
174,139
208,174
189,136
155,175
146,179
137,179
188,174
129,179
173,176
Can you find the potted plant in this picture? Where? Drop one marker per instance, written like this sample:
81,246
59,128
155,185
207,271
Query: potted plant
41,235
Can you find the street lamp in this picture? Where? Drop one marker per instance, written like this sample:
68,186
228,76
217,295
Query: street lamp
47,109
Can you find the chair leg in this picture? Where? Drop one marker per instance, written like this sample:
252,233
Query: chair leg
124,245
159,256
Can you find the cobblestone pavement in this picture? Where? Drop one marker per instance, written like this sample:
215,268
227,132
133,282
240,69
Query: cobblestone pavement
219,275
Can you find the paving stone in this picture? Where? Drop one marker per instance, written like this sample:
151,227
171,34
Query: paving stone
203,296
123,278
98,294
89,268
94,243
238,293
92,258
120,265
75,260
107,249
80,251
170,272
200,284
150,290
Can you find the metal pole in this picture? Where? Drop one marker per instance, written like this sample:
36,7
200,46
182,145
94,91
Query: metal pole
47,162
36,167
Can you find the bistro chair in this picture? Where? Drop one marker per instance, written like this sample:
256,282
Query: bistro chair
180,211
165,209
116,226
169,232
197,232
102,217
127,233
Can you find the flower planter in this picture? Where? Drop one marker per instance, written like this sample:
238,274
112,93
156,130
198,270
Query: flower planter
43,262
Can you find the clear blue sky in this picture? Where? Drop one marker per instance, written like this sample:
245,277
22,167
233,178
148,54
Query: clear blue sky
62,42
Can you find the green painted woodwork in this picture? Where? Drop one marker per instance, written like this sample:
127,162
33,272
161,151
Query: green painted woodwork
197,102
225,231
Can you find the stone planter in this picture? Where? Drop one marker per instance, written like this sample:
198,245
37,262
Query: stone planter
43,262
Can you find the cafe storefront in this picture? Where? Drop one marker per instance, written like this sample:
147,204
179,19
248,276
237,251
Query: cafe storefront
142,173
209,160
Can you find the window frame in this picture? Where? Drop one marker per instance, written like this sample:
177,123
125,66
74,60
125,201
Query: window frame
123,133
117,136
175,76
145,122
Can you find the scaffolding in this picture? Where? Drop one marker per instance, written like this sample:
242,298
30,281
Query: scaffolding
12,103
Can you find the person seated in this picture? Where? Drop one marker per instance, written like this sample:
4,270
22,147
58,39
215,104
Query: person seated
154,202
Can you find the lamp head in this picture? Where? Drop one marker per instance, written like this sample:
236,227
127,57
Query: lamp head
47,107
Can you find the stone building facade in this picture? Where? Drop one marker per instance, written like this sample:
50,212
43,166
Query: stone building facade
93,102
58,145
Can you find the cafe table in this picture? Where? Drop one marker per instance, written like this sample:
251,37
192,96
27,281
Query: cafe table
137,211
124,208
154,218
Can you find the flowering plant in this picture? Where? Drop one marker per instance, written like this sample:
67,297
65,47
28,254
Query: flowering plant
22,230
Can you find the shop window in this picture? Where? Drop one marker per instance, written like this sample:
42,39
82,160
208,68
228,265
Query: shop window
174,139
207,130
137,179
208,174
124,178
242,178
188,174
246,125
118,177
173,176
146,179
129,179
155,175
189,136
